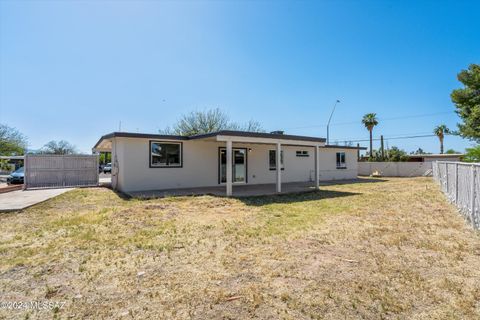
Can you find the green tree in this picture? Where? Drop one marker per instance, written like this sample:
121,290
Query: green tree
440,131
419,151
472,154
5,166
395,154
105,157
467,102
375,156
12,141
369,121
451,151
200,122
59,147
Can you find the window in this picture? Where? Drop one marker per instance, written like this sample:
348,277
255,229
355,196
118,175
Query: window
272,159
165,154
341,160
302,153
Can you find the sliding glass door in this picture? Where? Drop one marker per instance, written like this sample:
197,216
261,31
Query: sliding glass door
239,165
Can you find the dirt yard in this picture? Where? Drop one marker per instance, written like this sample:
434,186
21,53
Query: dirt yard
391,249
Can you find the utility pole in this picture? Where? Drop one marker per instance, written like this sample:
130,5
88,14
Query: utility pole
381,147
358,151
328,124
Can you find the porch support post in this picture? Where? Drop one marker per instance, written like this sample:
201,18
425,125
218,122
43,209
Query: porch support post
229,168
279,167
317,167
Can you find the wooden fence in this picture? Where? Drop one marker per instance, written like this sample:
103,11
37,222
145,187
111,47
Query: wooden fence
59,171
461,184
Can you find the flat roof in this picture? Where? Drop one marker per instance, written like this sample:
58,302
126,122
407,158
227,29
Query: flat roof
334,146
231,133
437,155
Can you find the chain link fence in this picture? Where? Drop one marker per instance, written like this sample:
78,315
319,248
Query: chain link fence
461,184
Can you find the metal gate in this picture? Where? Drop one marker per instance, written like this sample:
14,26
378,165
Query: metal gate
58,171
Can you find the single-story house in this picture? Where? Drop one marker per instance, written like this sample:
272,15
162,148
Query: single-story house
435,157
142,162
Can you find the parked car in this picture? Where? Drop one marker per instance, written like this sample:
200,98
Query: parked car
16,177
107,168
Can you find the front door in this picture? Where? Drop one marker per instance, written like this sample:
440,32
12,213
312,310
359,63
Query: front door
239,165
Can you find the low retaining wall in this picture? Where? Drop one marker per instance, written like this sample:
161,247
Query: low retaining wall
11,188
395,169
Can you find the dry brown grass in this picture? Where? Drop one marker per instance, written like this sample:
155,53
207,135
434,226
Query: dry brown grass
386,250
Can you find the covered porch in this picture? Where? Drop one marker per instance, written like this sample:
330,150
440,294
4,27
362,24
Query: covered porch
230,139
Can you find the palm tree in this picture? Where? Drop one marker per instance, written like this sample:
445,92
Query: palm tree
369,121
440,131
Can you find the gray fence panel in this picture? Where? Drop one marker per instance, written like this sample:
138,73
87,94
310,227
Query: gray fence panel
58,171
461,184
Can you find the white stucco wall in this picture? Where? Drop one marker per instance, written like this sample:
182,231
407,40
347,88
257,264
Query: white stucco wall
440,158
328,164
200,165
395,169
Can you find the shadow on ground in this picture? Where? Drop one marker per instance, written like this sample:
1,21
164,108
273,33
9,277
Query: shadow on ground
354,181
290,190
295,197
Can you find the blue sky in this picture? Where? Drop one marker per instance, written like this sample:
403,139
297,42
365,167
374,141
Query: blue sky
74,69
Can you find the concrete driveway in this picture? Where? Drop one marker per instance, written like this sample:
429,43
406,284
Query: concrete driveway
18,200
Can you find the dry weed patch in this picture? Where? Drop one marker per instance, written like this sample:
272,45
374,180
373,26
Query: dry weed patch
394,249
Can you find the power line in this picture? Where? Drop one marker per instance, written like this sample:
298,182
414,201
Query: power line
392,138
380,119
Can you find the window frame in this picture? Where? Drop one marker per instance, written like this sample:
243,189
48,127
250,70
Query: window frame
282,160
150,156
341,165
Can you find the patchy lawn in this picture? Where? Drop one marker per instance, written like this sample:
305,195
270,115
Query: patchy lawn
385,250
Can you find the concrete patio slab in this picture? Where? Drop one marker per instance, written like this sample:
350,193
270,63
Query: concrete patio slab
18,200
246,190
238,190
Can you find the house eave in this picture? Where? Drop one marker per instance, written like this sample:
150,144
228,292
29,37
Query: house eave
219,136
329,146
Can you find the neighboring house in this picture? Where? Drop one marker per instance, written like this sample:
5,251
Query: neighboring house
435,157
144,162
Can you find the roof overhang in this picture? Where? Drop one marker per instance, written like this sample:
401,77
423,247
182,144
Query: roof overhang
439,155
104,144
12,157
329,146
240,136
268,140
